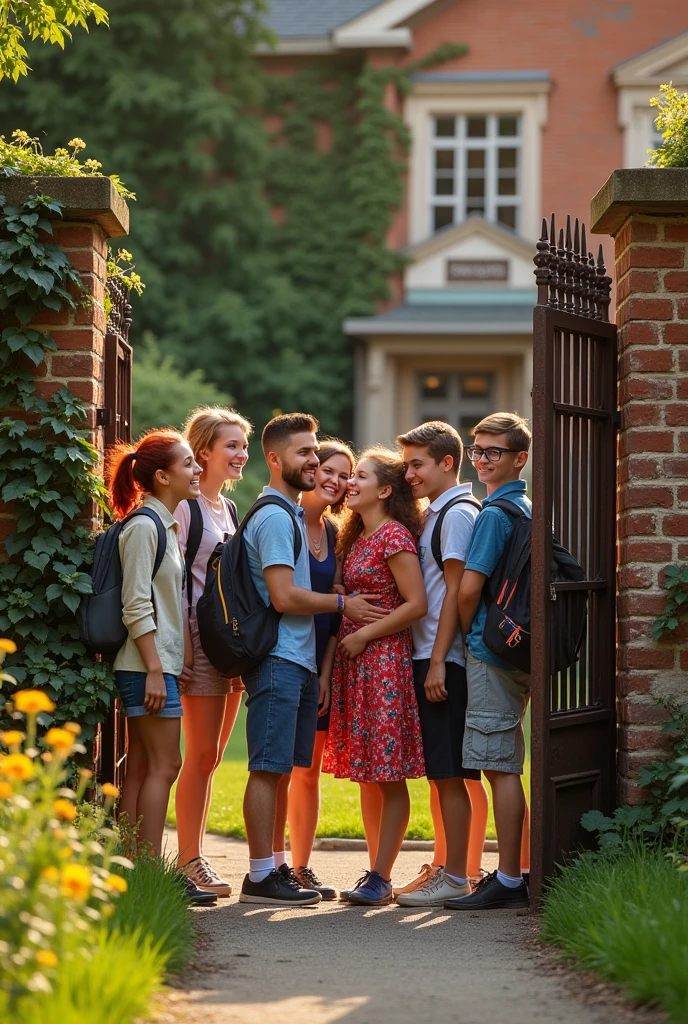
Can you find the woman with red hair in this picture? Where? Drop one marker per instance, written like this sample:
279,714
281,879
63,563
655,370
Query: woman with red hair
155,475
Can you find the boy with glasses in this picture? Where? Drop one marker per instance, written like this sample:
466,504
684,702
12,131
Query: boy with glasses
497,693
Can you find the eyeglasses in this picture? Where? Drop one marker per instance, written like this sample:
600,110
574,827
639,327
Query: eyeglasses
475,454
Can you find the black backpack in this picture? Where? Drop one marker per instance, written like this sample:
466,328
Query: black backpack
193,540
436,539
236,628
100,613
507,596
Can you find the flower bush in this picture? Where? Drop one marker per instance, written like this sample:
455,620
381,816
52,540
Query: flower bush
59,873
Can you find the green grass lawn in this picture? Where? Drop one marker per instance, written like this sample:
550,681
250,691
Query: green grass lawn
340,813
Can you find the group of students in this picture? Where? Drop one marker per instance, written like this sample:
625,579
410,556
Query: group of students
379,674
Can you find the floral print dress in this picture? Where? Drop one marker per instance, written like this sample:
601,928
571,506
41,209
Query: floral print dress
374,727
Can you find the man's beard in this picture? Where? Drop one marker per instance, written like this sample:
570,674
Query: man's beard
294,478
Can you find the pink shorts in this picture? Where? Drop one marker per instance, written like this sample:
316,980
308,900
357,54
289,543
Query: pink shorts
207,681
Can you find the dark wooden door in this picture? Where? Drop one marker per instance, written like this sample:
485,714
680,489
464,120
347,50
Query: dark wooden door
575,424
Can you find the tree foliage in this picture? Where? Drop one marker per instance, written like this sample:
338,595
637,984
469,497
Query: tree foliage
255,238
40,19
672,122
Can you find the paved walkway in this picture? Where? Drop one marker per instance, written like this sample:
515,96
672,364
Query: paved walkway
388,966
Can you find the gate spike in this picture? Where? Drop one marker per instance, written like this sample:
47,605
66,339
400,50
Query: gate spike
543,236
552,233
561,275
541,261
583,247
576,238
568,231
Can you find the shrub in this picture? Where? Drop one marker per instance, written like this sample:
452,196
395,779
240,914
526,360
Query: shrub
155,895
672,121
57,853
626,917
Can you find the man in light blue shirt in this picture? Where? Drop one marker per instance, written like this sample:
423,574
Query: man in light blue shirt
282,705
497,693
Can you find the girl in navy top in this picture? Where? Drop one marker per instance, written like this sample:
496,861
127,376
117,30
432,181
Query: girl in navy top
331,479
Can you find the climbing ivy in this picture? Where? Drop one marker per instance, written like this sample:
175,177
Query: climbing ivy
47,475
676,607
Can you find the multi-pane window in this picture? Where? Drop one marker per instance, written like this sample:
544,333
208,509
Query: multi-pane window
476,168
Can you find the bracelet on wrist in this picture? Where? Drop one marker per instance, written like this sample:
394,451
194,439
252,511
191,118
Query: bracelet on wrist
340,603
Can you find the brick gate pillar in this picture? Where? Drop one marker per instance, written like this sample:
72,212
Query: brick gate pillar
93,212
646,212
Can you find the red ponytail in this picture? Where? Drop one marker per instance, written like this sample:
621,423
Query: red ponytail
130,470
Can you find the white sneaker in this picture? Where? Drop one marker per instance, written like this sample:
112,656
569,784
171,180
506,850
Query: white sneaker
205,877
426,873
435,891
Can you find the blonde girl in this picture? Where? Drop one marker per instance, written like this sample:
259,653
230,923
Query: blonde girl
218,438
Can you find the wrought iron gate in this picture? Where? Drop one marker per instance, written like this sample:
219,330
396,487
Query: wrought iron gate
115,418
575,422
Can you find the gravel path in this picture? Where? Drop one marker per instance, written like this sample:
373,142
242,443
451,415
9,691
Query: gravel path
360,966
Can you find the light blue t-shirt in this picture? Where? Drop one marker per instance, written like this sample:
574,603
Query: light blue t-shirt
492,531
269,540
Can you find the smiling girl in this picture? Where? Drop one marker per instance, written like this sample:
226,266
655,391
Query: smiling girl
218,438
374,736
157,474
325,500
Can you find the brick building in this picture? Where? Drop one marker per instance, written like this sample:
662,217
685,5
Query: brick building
549,100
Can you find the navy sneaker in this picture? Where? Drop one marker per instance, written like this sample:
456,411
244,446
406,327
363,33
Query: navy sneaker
490,894
374,892
196,897
344,894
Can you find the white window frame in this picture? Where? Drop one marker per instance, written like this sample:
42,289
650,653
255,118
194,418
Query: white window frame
636,119
435,99
458,144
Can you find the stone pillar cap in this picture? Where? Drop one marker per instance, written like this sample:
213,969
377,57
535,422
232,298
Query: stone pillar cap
642,190
89,198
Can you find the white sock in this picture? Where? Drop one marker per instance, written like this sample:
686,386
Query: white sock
455,878
280,858
508,881
260,867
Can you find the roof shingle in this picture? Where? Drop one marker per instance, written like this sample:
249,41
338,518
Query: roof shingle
301,19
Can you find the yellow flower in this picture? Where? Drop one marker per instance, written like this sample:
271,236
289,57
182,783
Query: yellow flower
65,851
109,790
5,790
75,881
60,740
65,809
12,738
117,883
16,766
73,727
85,773
50,874
33,701
46,958
7,646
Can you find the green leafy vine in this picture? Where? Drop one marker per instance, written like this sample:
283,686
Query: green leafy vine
676,607
47,475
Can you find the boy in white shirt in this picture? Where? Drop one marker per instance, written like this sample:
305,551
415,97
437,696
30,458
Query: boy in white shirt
433,453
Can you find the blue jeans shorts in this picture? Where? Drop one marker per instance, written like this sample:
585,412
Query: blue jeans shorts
282,715
132,690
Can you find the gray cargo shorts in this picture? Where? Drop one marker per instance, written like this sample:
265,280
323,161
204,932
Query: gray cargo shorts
497,700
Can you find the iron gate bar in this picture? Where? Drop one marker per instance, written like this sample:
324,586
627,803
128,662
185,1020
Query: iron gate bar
574,498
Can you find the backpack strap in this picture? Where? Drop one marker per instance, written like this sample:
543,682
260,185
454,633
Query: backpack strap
162,535
232,509
436,540
193,543
273,499
515,513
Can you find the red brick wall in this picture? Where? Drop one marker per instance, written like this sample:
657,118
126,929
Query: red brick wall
79,334
652,281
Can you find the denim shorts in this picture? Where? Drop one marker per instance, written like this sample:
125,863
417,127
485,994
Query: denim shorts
132,690
281,716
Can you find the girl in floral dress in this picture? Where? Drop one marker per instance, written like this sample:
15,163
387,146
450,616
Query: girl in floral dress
374,736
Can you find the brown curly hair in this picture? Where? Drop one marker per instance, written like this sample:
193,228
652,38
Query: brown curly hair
400,505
